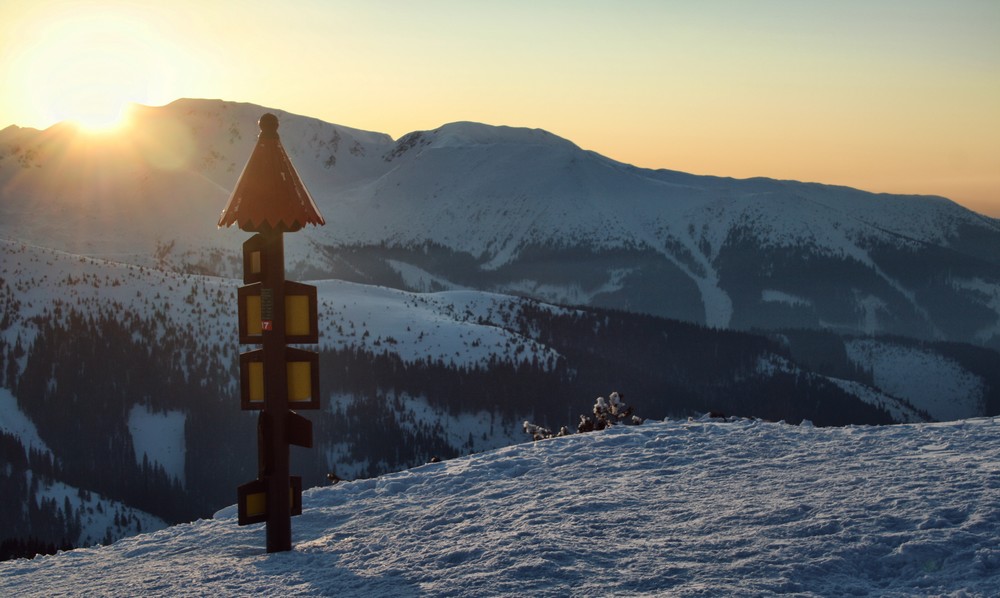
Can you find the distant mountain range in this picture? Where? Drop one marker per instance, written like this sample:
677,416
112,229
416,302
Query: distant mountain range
469,278
516,211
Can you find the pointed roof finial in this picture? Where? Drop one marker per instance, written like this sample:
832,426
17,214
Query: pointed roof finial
269,194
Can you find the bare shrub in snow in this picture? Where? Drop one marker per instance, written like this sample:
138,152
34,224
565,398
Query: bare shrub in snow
606,412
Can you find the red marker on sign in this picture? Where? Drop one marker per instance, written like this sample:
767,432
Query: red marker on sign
265,324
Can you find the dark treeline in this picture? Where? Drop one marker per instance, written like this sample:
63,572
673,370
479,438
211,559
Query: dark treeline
82,377
17,548
671,368
25,522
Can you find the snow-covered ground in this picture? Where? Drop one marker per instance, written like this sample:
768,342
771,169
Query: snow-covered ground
930,382
159,438
100,517
679,508
14,421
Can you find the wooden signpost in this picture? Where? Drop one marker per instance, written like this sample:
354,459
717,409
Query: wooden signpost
270,200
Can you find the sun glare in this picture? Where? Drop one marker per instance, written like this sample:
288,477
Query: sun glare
87,68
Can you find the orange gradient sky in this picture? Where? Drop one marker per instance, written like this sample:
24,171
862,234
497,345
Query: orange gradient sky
899,96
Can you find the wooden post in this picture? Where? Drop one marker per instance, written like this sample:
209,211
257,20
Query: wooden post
270,199
279,521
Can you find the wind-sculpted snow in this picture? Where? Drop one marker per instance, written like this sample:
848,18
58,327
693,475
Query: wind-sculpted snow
679,508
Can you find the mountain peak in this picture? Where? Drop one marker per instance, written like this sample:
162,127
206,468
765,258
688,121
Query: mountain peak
473,135
465,133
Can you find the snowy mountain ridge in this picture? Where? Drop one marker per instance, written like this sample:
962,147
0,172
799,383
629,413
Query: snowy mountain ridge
198,131
514,210
462,328
665,199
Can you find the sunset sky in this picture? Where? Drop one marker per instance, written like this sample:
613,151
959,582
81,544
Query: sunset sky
898,96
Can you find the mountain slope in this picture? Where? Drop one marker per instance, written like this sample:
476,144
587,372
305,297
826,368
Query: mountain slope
117,339
517,211
679,507
121,381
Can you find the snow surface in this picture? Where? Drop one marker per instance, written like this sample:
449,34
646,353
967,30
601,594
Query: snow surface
463,328
773,296
938,385
680,508
899,409
98,514
159,437
14,421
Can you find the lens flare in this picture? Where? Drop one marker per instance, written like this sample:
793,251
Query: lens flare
86,68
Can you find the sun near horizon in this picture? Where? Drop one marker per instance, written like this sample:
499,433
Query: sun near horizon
893,96
85,67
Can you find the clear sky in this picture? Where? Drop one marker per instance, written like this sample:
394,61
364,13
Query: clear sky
899,96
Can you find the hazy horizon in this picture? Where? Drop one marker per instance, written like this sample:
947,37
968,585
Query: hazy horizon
888,96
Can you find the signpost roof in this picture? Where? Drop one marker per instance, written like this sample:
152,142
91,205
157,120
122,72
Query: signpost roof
269,194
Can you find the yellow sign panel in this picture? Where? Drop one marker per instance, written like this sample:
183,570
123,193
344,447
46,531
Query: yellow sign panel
253,315
256,381
297,321
301,320
251,500
256,504
255,262
299,381
254,259
258,313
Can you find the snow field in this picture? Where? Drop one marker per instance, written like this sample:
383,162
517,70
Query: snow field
14,421
930,382
99,516
678,508
159,437
462,328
